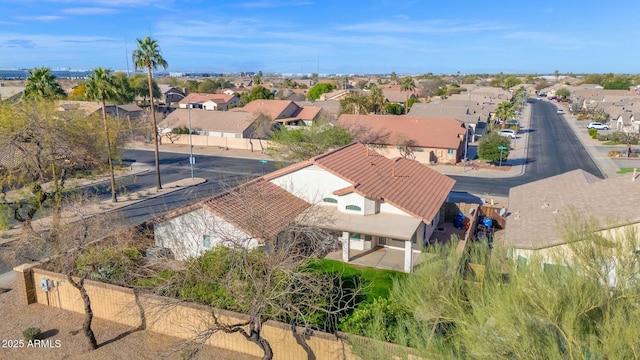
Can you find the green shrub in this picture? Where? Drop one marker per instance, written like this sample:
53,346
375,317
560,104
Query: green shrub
488,147
5,217
32,333
593,133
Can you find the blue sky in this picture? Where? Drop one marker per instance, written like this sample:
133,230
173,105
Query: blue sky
329,36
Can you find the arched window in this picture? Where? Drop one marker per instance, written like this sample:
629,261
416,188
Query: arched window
354,207
330,200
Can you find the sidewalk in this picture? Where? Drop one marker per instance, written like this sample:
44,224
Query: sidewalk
201,150
94,208
517,161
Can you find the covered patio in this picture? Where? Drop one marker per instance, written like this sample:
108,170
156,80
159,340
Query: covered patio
382,240
379,258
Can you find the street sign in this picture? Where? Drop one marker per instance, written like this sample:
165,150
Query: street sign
192,160
502,148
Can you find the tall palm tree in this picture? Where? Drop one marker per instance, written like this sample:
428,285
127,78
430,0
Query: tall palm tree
148,56
101,86
41,83
407,84
504,112
376,97
354,103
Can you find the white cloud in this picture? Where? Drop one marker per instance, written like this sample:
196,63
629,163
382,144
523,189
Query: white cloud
271,4
43,18
88,11
420,27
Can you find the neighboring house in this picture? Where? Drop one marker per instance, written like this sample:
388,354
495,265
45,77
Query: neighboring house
126,111
627,122
209,102
538,210
330,108
398,97
170,94
237,125
365,199
474,120
283,111
427,140
243,216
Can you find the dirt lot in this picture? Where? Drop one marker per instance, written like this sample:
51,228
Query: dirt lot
114,339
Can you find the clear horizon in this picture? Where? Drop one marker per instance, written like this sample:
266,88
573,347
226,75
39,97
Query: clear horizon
330,37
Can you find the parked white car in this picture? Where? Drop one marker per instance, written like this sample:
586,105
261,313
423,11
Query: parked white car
508,133
597,126
559,111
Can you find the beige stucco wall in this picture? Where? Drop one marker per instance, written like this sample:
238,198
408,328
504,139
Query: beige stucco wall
183,321
224,142
422,155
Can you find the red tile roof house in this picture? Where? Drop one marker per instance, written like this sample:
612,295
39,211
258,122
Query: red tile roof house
221,102
428,140
369,202
283,111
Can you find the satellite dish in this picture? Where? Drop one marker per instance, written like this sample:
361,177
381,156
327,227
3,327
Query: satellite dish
502,211
471,211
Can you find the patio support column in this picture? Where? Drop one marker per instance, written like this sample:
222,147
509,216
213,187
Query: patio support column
408,256
346,246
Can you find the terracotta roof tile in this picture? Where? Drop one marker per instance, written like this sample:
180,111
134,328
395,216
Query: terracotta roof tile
428,132
406,184
273,108
258,207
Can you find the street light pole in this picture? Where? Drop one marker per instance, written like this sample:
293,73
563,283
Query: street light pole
192,160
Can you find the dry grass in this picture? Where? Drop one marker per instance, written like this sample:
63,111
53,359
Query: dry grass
64,326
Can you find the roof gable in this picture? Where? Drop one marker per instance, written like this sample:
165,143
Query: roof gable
406,184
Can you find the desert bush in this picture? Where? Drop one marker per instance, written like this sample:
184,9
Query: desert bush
32,333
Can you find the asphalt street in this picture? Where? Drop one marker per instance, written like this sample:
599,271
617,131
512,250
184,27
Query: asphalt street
553,149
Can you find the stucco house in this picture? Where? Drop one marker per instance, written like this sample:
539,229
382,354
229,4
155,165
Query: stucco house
170,94
211,102
285,112
428,140
538,210
369,202
243,216
225,124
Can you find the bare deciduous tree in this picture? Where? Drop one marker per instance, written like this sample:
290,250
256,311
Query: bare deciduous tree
263,239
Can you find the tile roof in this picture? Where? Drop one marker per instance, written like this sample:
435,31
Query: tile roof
258,207
457,112
225,121
428,132
537,209
308,113
406,184
273,108
199,98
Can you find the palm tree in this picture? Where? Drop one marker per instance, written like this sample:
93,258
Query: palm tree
41,83
101,86
354,103
148,56
407,85
376,98
504,112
